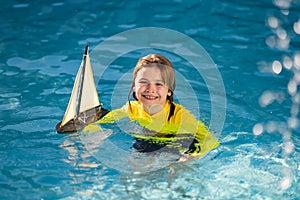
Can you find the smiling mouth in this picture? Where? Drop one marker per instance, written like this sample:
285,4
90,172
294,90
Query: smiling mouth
150,97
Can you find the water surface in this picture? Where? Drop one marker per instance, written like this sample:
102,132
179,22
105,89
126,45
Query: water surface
42,44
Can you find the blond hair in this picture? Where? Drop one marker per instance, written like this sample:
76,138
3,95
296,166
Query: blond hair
166,70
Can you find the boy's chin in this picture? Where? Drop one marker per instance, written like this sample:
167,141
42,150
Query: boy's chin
150,102
153,105
149,105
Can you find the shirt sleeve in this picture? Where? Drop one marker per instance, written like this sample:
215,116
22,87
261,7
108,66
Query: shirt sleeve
114,115
203,141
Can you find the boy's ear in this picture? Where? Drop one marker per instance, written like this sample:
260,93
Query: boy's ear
169,93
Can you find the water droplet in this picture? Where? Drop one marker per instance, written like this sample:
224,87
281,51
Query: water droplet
271,127
293,122
287,62
266,98
297,60
292,87
281,33
271,41
276,67
273,22
283,43
289,147
296,98
297,27
294,110
297,77
283,4
258,129
285,12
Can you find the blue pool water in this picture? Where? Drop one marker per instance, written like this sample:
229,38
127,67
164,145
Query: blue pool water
41,48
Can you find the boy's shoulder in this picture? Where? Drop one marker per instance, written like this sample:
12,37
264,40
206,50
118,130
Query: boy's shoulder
131,105
179,106
180,109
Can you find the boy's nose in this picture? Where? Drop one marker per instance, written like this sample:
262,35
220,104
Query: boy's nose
151,87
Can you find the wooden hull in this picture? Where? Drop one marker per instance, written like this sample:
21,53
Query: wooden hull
82,120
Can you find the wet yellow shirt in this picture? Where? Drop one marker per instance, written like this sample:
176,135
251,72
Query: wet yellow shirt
182,125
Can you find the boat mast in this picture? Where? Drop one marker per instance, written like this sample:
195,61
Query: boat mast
82,79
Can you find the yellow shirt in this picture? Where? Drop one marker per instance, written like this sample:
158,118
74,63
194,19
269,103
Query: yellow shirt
181,126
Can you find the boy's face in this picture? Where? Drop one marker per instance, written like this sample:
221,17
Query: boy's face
150,89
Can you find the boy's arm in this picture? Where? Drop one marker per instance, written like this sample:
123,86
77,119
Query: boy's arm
203,140
110,117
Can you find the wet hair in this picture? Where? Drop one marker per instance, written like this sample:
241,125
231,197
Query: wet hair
167,73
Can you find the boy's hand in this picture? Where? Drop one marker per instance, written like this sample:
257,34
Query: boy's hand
188,157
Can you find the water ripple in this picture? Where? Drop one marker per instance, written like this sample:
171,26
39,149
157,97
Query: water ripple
47,65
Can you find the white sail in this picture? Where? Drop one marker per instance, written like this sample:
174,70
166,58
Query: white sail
84,86
89,92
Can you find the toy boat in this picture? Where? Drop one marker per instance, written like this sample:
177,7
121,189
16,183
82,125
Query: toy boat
84,106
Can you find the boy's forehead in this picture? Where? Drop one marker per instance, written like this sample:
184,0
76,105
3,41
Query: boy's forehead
149,72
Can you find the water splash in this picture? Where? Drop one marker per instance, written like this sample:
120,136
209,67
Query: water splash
282,40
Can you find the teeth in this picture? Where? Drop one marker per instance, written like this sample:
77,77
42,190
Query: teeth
150,97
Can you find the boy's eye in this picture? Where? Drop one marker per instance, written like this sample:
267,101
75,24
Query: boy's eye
143,82
159,84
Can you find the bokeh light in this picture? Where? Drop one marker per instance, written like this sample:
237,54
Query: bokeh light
276,67
297,27
281,38
258,129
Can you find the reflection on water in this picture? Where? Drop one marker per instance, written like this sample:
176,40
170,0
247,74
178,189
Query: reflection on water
215,175
114,148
